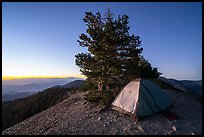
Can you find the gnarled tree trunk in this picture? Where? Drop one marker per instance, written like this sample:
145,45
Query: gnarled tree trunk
100,86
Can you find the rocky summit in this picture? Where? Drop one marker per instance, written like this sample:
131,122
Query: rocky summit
75,116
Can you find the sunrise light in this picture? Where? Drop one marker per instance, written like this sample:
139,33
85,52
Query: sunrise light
22,77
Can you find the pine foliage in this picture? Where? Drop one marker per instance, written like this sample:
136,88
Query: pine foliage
113,56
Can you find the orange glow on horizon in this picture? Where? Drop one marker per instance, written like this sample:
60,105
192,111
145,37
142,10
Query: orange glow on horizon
21,77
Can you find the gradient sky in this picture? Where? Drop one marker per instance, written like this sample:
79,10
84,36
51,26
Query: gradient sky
40,39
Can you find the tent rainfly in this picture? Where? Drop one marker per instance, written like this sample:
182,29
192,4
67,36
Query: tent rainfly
141,97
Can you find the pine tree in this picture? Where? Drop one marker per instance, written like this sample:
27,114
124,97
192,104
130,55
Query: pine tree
113,54
99,63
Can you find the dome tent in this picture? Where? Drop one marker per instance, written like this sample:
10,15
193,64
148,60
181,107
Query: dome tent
141,97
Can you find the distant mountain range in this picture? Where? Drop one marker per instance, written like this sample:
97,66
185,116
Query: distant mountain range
14,89
16,96
73,84
189,86
19,88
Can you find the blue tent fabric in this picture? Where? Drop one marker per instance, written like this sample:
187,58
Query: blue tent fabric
151,99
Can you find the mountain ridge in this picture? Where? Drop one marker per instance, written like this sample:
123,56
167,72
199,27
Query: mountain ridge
10,89
190,86
75,116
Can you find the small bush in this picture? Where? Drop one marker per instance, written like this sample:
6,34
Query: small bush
87,86
84,87
116,91
107,98
92,96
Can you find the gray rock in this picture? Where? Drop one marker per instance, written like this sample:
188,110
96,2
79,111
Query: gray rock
99,118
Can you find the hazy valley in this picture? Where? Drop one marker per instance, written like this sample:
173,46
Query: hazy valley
18,88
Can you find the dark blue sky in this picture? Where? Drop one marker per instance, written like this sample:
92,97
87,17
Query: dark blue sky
41,38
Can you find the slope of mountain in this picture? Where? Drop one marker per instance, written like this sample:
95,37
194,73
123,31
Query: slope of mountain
75,116
59,110
75,83
194,86
20,109
185,85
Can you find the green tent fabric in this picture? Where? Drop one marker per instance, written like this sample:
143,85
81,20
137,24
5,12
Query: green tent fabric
142,97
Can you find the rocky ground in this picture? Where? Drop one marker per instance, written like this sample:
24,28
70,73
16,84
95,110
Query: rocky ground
75,116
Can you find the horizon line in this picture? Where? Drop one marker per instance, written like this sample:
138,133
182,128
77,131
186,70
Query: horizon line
24,77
